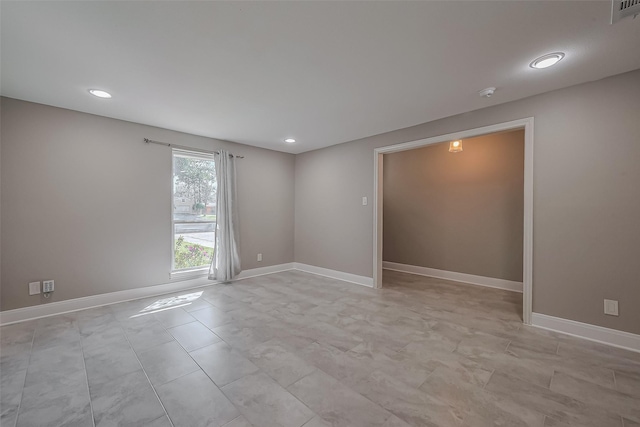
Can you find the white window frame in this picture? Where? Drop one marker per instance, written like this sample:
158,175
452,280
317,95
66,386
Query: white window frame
194,271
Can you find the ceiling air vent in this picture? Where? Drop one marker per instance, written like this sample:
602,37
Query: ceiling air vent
623,8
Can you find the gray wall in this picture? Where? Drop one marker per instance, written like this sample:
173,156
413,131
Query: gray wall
586,197
459,212
85,202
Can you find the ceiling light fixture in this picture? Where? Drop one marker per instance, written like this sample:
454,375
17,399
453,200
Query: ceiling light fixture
100,93
546,61
289,140
455,146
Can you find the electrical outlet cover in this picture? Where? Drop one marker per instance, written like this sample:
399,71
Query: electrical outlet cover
611,307
47,286
34,288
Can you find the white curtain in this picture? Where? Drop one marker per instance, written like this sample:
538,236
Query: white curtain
226,259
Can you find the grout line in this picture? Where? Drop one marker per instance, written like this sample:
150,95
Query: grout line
33,338
86,376
236,418
220,387
345,386
490,376
145,372
181,376
277,383
306,423
426,379
205,372
456,347
307,406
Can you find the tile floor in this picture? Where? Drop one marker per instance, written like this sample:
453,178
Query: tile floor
294,349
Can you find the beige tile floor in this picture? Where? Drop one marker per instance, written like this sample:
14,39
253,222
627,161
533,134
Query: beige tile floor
294,349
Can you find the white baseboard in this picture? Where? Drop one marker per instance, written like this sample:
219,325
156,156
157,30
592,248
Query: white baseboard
261,271
76,304
587,331
334,274
490,282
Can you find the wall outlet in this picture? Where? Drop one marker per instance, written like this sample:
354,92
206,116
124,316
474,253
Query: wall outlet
611,307
259,257
365,202
34,288
47,286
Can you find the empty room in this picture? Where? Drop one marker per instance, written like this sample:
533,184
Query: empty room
349,214
455,211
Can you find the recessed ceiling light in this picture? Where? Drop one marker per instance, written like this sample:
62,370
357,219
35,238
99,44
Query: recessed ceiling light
99,93
547,60
290,140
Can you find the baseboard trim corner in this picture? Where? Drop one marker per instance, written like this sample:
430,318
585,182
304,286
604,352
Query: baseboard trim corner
490,282
76,304
335,274
600,334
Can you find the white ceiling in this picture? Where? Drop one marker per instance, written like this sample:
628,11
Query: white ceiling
321,72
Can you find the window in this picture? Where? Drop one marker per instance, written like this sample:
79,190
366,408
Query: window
194,209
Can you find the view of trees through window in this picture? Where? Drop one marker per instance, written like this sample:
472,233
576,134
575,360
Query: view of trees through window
194,209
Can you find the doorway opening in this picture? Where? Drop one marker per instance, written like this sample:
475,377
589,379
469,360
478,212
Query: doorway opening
526,211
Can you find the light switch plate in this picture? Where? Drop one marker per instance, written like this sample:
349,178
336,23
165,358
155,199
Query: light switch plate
611,307
34,288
